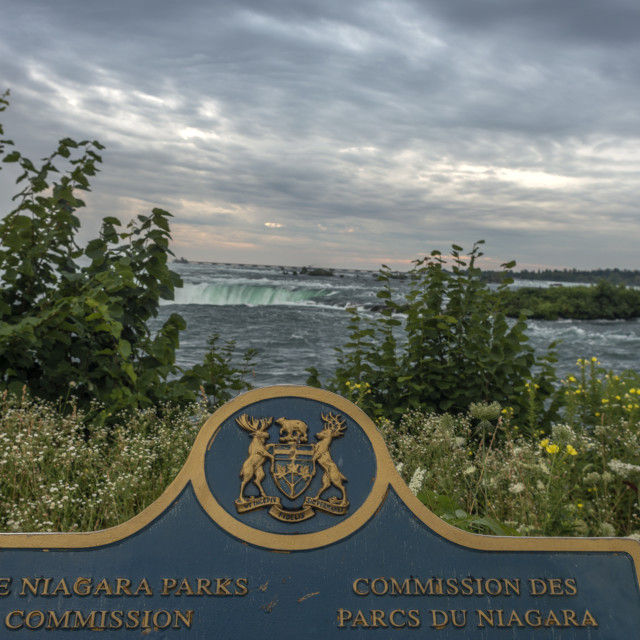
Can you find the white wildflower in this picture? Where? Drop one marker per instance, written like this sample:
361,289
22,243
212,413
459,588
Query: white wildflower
563,433
591,478
623,468
516,488
415,484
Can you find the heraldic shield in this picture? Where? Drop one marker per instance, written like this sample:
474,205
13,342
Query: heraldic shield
293,466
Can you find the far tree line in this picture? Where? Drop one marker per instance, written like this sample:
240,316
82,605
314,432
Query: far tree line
628,277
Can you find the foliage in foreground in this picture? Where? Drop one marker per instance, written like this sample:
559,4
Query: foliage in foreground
57,474
481,469
74,319
447,344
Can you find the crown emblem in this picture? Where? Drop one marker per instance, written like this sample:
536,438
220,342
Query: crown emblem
294,463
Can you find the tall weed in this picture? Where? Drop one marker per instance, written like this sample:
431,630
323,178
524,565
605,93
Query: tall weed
581,478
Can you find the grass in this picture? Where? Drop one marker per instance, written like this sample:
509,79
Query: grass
479,470
579,479
58,474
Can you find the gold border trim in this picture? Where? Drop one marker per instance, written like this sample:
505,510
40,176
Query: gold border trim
193,472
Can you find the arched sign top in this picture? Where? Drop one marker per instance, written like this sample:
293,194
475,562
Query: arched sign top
291,468
300,427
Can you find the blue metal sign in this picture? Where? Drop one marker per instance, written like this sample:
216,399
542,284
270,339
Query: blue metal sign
289,520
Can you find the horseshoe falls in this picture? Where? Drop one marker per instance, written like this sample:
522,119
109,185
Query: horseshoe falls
295,320
245,294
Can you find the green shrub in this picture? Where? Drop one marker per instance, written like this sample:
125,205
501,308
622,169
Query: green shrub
81,330
447,345
601,301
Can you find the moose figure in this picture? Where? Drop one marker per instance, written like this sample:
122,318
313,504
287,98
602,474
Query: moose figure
334,427
258,453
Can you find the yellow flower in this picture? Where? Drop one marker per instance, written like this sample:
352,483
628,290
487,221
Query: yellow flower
580,505
594,359
552,448
544,443
571,451
571,379
605,400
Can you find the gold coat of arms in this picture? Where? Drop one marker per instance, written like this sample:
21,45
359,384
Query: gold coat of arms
293,465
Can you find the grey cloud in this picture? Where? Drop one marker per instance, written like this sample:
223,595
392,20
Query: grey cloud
407,120
582,21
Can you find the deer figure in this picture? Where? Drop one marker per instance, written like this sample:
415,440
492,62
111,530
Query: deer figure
334,427
258,453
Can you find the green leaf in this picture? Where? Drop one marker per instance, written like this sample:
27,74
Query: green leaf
127,367
14,156
124,348
95,249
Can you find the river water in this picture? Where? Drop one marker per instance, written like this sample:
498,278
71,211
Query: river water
296,320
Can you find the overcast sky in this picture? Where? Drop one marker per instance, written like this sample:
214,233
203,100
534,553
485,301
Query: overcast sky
344,133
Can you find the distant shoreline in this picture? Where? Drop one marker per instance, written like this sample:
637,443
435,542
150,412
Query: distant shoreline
273,266
628,277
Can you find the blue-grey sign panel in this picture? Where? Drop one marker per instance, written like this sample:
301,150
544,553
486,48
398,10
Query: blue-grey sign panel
290,520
